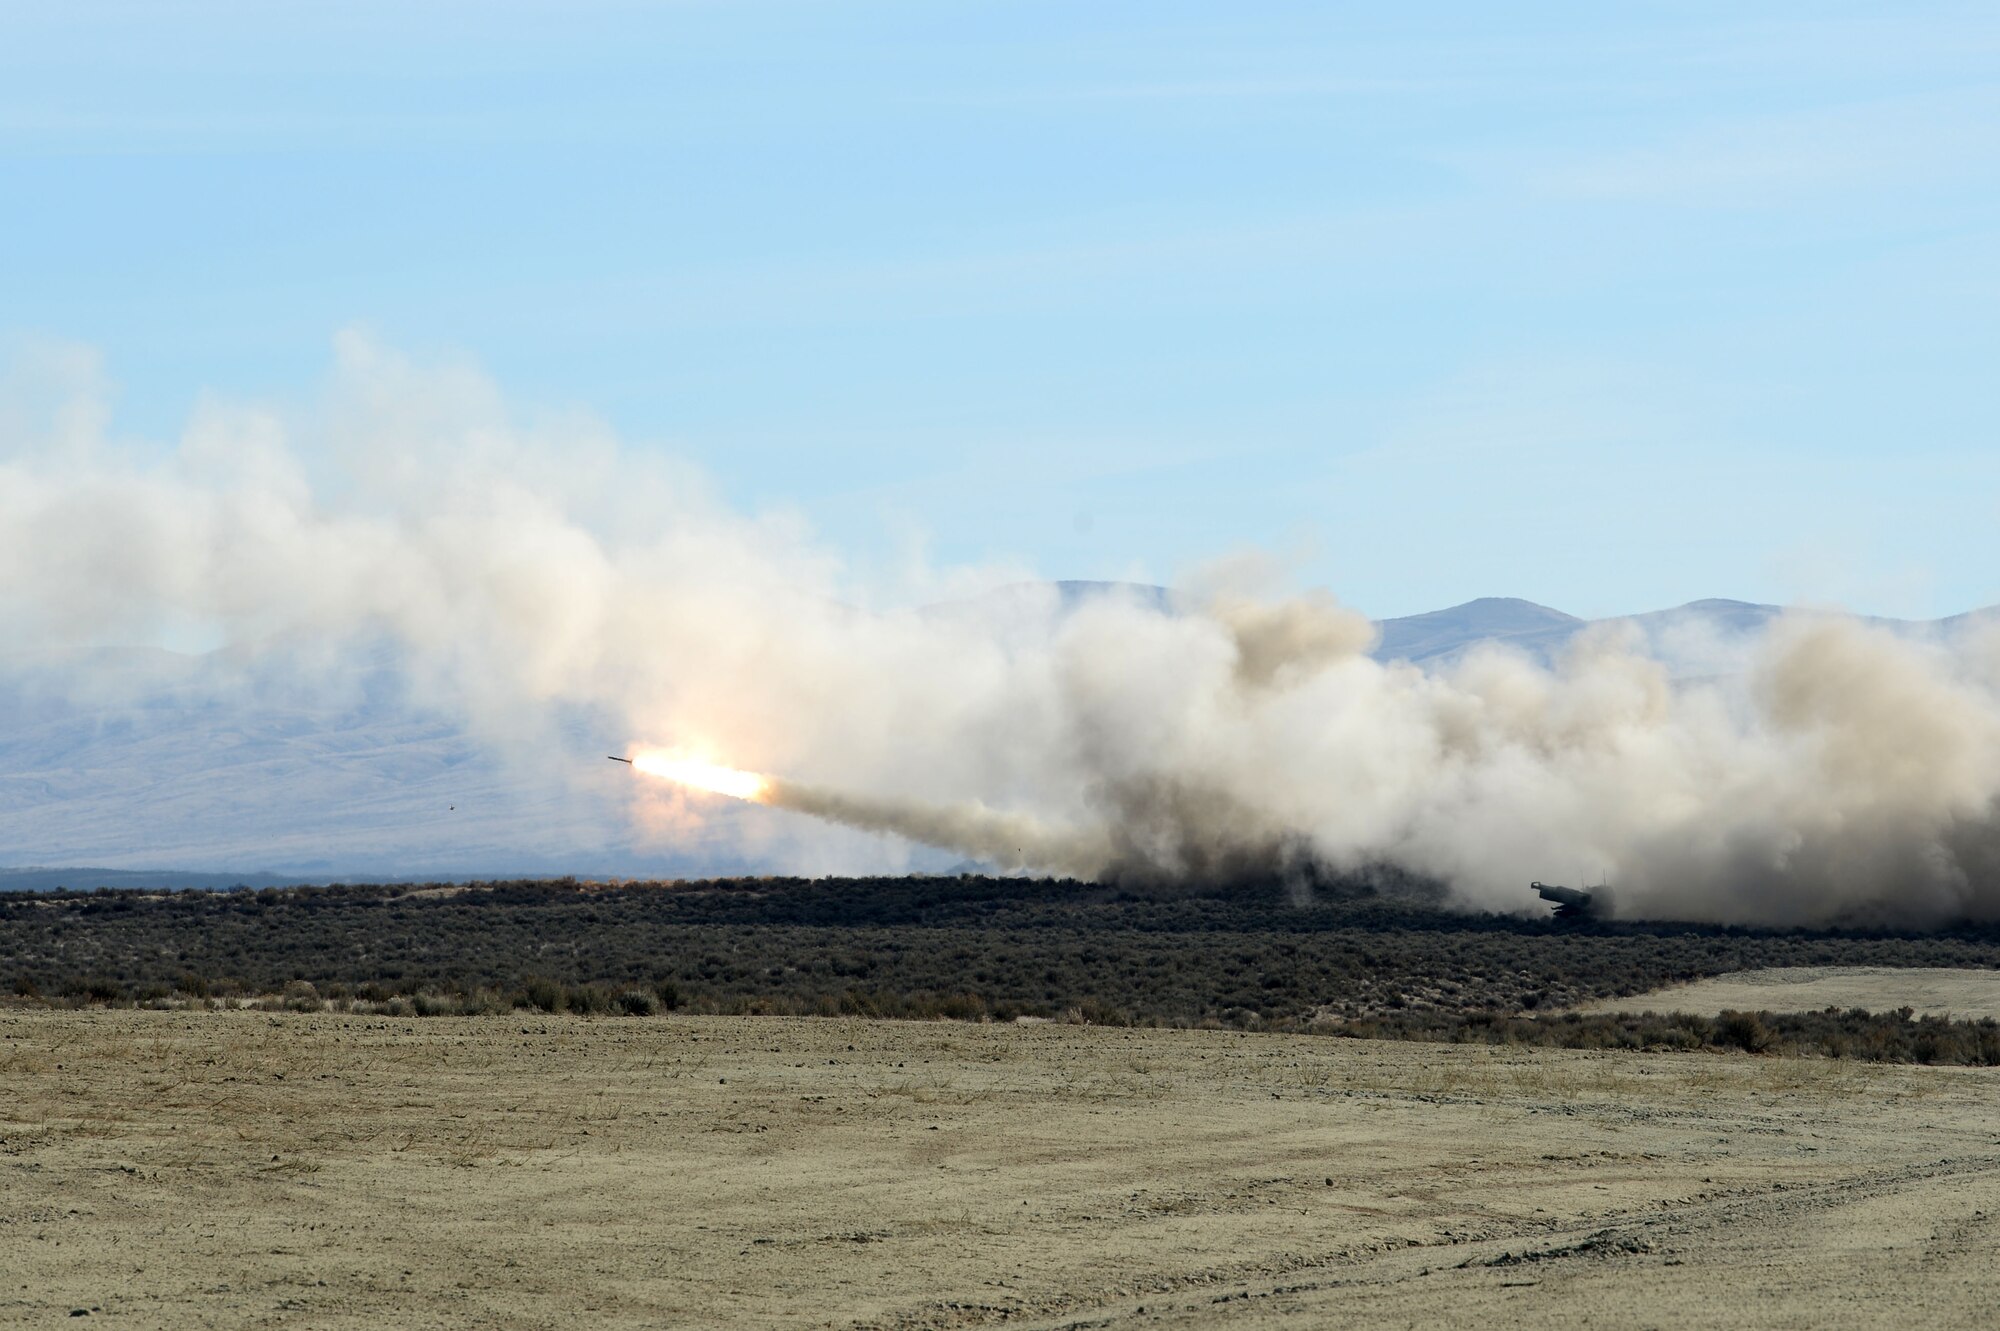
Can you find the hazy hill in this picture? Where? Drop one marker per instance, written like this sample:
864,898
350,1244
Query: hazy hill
149,760
1688,638
1532,628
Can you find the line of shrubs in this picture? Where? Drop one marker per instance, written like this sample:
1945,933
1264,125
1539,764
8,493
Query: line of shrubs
1852,1033
419,999
402,1001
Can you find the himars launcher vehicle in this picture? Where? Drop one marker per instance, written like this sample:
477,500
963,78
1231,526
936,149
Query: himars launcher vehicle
1571,903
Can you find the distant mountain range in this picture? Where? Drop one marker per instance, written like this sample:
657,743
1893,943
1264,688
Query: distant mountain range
86,879
1686,637
175,771
1442,634
1540,632
148,760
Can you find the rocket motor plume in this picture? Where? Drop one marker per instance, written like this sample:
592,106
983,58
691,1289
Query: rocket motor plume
1009,841
706,776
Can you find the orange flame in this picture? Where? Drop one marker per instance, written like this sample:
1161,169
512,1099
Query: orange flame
704,776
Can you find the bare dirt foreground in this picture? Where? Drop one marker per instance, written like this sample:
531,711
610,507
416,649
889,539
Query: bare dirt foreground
1937,991
248,1169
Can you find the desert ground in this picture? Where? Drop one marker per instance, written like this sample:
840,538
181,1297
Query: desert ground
1934,991
227,1169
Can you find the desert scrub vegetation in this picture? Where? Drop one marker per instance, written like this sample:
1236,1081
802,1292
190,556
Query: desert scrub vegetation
421,1001
1853,1033
965,948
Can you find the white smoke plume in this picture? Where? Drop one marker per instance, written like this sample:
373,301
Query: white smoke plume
996,837
1843,774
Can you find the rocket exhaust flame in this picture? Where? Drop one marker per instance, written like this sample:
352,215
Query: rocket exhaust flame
1006,840
710,777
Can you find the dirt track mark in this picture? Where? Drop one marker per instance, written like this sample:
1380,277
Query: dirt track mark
1669,1237
341,1173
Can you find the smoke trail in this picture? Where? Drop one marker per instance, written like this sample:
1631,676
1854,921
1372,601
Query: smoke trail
1004,840
1824,771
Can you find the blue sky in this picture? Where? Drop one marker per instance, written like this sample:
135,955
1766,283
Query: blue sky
1608,306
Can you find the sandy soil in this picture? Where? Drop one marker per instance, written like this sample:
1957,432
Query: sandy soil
244,1169
1932,991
